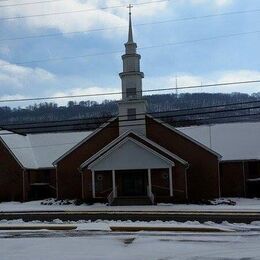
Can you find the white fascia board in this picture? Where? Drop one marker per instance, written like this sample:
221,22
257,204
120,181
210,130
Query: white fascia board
185,136
240,160
136,142
84,140
176,157
103,150
10,151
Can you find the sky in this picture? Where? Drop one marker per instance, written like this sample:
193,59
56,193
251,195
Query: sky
84,56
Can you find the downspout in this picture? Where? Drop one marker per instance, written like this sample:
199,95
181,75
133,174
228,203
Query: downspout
219,181
244,176
24,191
56,170
186,181
82,182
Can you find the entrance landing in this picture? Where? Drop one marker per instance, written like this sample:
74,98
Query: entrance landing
131,201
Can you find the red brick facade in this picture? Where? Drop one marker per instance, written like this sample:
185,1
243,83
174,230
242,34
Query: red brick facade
203,172
203,178
69,178
11,176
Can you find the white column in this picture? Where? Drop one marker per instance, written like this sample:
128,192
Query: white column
114,183
170,181
93,185
149,182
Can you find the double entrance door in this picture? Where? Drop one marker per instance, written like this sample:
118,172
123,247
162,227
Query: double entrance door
133,183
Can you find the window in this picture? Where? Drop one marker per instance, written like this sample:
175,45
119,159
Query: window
131,92
131,114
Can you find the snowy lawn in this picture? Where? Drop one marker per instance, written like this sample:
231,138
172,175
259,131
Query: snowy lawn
104,225
133,247
105,245
241,204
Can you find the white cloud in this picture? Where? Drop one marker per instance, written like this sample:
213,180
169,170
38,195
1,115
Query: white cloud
20,82
107,17
14,77
87,91
219,3
186,79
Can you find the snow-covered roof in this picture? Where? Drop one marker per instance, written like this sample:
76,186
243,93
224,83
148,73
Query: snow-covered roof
35,151
234,141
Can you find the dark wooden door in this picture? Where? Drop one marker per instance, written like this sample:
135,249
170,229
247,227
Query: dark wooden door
133,184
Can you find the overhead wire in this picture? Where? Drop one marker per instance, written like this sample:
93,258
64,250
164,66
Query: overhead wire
30,3
140,124
79,11
80,123
123,92
135,25
10,63
139,114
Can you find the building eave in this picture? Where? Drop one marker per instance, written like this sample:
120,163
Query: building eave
84,140
10,151
121,138
185,136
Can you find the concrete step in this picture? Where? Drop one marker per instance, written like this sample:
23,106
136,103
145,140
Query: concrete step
131,201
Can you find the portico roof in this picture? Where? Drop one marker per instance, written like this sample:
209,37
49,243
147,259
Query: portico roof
131,147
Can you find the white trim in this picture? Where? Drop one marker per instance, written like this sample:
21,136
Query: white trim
170,182
186,184
93,185
122,143
24,191
82,185
244,176
101,151
84,140
185,136
114,183
10,151
104,149
149,181
219,181
57,183
239,160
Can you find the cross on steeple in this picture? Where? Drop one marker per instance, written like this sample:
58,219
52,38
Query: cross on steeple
130,32
130,8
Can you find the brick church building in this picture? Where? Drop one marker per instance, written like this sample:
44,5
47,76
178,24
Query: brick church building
133,158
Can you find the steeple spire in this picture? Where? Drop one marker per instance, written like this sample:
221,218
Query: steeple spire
132,107
130,31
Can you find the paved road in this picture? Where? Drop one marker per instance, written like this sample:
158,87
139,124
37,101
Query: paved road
218,217
82,245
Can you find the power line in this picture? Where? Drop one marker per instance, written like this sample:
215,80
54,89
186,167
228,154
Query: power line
138,114
121,92
79,11
30,3
129,120
136,25
143,48
142,124
200,119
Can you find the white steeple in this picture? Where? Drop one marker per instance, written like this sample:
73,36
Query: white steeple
132,105
131,76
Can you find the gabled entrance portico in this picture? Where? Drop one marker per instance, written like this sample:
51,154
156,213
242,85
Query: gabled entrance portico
130,162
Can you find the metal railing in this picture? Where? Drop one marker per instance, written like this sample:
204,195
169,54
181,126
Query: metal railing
111,197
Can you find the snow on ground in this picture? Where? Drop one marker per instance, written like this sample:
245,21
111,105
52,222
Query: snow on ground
104,225
137,246
241,204
85,243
